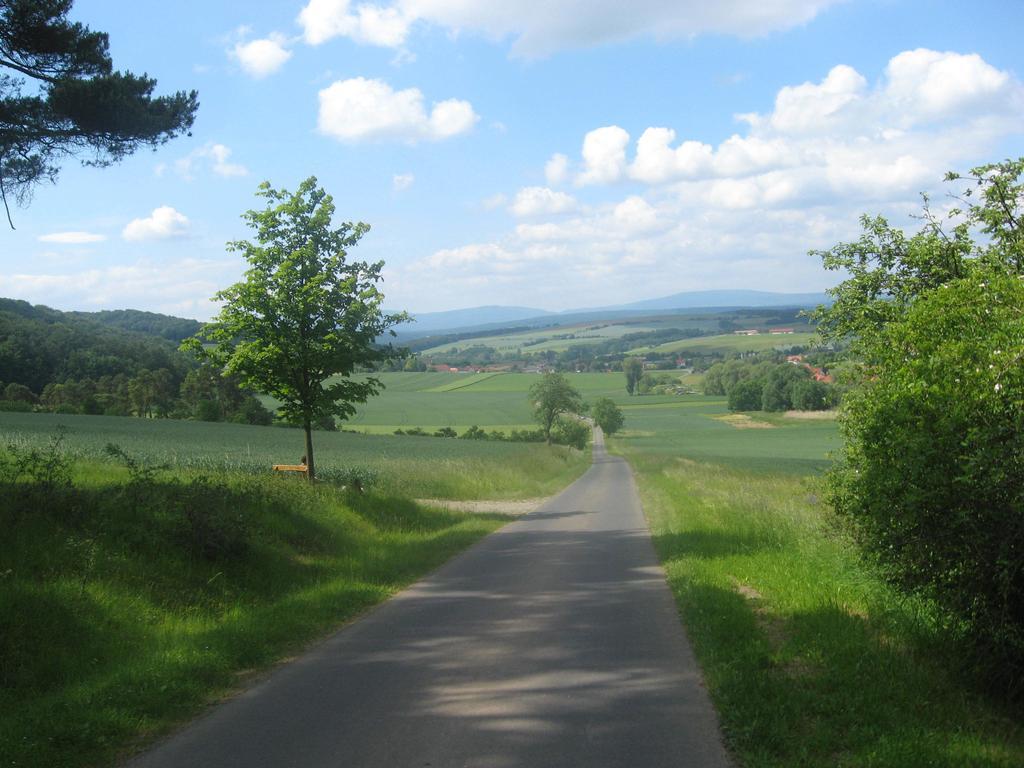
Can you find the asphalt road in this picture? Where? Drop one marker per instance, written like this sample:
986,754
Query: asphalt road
553,642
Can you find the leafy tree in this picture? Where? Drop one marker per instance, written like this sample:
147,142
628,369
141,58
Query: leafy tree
76,102
746,395
633,367
572,432
552,396
932,466
305,317
608,416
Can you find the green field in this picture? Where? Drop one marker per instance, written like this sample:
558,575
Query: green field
729,342
555,339
413,466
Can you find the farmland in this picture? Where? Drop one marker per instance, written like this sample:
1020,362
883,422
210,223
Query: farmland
730,342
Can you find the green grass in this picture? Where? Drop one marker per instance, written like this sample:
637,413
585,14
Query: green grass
810,658
116,624
412,466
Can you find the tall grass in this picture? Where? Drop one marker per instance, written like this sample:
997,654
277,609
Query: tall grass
810,658
129,599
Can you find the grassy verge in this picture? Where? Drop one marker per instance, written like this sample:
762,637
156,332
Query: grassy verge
129,600
810,659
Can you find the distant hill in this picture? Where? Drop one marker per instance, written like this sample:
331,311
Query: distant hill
729,299
429,322
487,318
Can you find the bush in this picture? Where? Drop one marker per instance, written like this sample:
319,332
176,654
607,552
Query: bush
213,527
932,472
811,395
745,395
16,406
571,432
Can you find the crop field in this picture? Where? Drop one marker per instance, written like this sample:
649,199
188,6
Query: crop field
412,466
557,339
730,342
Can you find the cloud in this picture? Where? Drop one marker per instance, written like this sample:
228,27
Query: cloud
72,238
604,156
402,181
182,287
745,211
542,27
838,137
323,20
360,109
539,201
262,57
164,223
556,171
213,155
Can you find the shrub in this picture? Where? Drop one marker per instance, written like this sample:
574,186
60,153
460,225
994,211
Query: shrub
745,395
608,416
213,526
932,472
571,432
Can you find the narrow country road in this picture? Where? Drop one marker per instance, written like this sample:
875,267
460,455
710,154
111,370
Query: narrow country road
553,642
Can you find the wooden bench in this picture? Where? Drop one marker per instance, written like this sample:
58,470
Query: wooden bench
291,468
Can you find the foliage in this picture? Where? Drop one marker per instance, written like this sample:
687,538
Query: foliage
76,102
633,367
571,432
551,397
608,416
303,314
931,472
746,395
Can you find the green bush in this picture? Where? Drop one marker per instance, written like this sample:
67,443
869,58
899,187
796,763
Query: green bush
745,395
608,416
932,473
572,432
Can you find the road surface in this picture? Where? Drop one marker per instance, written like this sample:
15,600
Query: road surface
553,642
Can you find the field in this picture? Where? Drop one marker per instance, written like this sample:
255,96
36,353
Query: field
564,337
422,467
730,342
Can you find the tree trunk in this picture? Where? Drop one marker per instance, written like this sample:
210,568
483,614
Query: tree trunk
310,467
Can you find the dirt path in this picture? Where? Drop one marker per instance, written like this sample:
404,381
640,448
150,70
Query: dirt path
501,507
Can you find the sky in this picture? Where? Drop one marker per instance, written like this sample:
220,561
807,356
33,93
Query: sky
545,153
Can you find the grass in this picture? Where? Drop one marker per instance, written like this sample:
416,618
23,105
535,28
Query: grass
120,619
419,467
810,658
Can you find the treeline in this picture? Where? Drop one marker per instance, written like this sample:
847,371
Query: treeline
754,384
40,346
118,363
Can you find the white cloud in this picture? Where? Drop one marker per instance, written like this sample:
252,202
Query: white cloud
539,201
604,155
360,109
183,287
494,202
163,224
72,238
214,155
262,57
743,212
556,171
541,27
323,20
402,181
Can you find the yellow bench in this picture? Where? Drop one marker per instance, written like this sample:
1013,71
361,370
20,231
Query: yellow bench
291,468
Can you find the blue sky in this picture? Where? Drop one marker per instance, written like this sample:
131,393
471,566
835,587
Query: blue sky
554,154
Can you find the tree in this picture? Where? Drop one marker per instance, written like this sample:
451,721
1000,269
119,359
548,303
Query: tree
76,103
305,317
633,367
930,473
552,396
608,416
